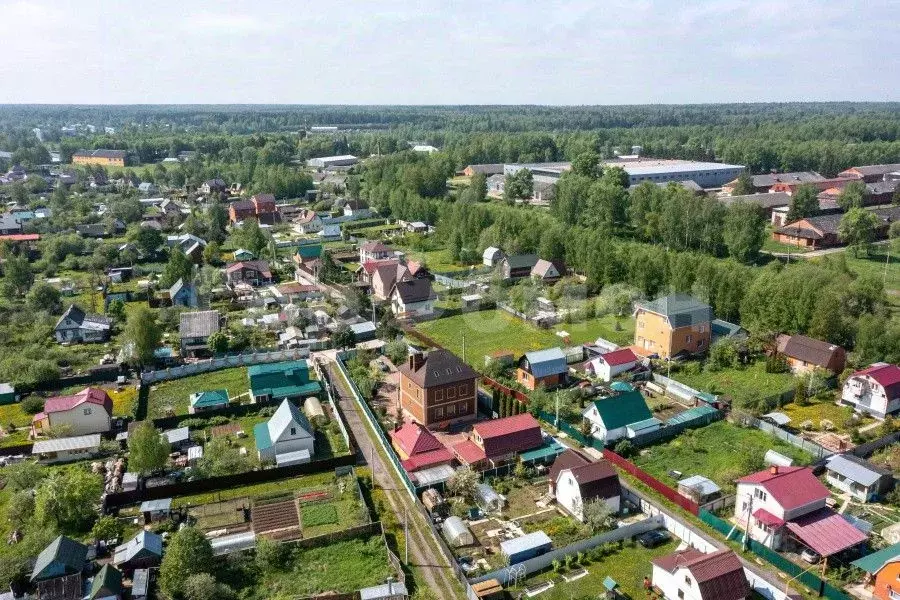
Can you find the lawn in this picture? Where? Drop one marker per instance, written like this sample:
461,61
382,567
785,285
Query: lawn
740,384
123,401
258,490
12,414
817,410
721,451
627,566
605,327
175,393
770,245
486,332
438,261
874,265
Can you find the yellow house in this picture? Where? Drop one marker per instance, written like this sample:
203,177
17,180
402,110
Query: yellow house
105,158
673,324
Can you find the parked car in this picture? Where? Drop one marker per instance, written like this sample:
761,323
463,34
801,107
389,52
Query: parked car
810,556
652,539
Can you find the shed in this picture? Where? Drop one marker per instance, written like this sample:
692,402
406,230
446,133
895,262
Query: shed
488,499
777,418
456,532
434,502
129,482
642,427
178,438
297,457
776,458
392,590
527,546
7,393
698,488
194,453
313,408
470,300
155,510
140,584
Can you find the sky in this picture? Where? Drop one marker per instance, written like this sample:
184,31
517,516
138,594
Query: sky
448,52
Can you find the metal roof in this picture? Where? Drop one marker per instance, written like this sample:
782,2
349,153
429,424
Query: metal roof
298,457
692,414
81,442
701,484
433,475
645,424
873,563
175,436
857,470
681,310
384,591
778,418
547,362
525,543
156,505
286,415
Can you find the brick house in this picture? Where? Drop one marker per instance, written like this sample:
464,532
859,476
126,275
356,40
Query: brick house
804,354
252,272
499,441
260,207
438,388
546,368
673,325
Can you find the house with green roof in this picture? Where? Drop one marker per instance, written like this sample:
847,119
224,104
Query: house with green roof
286,437
620,415
106,584
211,400
277,381
64,556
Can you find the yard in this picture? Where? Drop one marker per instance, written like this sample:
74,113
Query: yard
874,265
741,384
627,566
258,490
818,410
721,451
174,394
617,330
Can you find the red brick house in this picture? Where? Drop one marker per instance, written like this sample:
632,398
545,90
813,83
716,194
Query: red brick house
812,232
499,441
260,207
438,388
804,354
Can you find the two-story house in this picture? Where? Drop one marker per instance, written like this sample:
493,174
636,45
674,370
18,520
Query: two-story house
412,298
499,441
690,574
286,435
545,368
260,207
874,390
251,272
623,414
517,266
75,325
374,251
88,411
783,508
673,325
575,480
438,388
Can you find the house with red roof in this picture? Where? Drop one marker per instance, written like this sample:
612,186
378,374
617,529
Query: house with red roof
606,366
783,508
576,480
88,411
874,390
690,574
374,251
251,272
418,448
499,441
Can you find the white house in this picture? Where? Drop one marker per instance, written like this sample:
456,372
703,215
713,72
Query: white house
287,431
875,390
610,416
606,366
412,298
308,222
858,477
491,256
784,508
66,449
88,411
690,574
330,232
575,480
77,326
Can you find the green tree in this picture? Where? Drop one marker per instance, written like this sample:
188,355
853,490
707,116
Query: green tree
147,239
221,458
852,196
271,556
68,500
204,586
20,507
251,237
188,554
342,336
143,334
148,451
116,310
744,232
107,527
857,230
18,276
744,185
804,203
462,483
597,515
587,164
518,185
44,297
218,342
212,254
178,267
25,475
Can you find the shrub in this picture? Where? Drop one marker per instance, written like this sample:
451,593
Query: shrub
625,449
33,405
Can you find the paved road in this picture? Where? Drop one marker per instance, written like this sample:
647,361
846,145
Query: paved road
428,563
814,253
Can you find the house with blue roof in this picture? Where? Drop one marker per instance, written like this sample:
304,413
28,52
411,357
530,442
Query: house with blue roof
277,381
287,432
142,551
621,415
211,400
546,368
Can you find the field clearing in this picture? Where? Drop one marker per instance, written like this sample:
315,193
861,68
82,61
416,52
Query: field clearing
259,490
740,384
600,327
175,393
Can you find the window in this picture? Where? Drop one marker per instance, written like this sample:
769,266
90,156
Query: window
293,431
463,408
758,493
439,395
451,410
681,594
687,580
700,342
439,413
451,393
87,411
688,339
702,328
463,389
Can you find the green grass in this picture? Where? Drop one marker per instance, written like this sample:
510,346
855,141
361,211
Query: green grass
770,245
817,410
740,384
605,327
874,265
627,566
257,490
175,393
487,332
438,261
720,451
319,514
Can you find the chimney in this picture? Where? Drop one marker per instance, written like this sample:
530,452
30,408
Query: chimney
773,469
416,360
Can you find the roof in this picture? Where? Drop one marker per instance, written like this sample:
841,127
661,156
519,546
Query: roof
83,319
537,539
874,169
210,398
163,504
874,562
569,459
375,247
543,363
140,583
778,418
622,409
521,261
286,415
623,356
770,179
102,153
201,324
107,582
856,469
387,591
792,487
256,265
424,460
177,435
887,376
86,396
486,169
767,518
719,575
597,480
510,434
543,268
64,556
440,367
469,452
826,532
818,226
81,442
414,290
701,484
650,423
413,439
808,350
20,237
282,379
491,252
681,310
143,544
692,414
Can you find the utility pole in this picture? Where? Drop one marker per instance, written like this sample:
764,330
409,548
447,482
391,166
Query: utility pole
406,534
372,463
556,420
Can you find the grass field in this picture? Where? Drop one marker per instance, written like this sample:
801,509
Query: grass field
874,265
486,332
627,566
175,393
721,451
818,410
12,414
740,384
258,490
605,327
123,401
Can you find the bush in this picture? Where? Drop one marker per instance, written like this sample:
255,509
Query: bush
625,449
33,405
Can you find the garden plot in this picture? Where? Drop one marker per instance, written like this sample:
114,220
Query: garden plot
228,515
277,517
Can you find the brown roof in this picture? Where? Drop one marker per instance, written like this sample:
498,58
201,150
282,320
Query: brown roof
807,349
440,367
415,290
567,460
719,574
597,480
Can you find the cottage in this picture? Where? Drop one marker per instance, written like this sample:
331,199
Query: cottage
499,441
412,298
784,508
418,449
308,222
690,574
546,271
575,480
883,570
874,390
438,388
608,365
183,294
384,274
673,325
261,207
67,449
374,251
75,325
805,354
205,401
610,416
195,329
59,568
820,231
762,184
858,477
491,256
287,432
518,266
250,272
142,551
88,411
546,368
282,380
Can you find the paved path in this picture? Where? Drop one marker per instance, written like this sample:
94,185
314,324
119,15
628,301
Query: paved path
430,567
